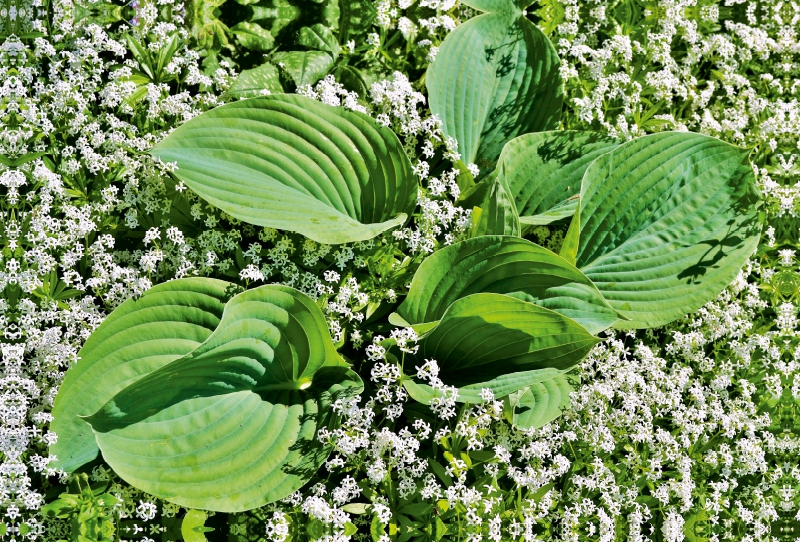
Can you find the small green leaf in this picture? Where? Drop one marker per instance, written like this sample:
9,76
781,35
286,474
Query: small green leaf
24,159
377,529
304,67
193,526
357,508
494,212
350,529
315,529
319,37
253,83
356,19
569,248
253,37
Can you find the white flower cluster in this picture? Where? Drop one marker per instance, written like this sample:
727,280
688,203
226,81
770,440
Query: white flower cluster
424,32
695,64
674,427
73,165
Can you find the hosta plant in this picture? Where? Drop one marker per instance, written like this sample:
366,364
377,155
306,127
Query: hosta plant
495,77
205,398
213,398
663,224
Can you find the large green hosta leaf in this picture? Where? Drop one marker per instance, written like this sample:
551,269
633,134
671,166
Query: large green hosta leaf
292,163
495,77
546,168
668,220
484,336
231,426
140,336
504,265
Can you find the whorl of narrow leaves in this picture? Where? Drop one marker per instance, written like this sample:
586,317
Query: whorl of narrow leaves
667,221
231,424
292,163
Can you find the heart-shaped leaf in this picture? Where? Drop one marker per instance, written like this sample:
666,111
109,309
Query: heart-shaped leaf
319,37
546,168
668,220
292,163
495,77
252,36
140,336
504,265
231,426
484,336
356,19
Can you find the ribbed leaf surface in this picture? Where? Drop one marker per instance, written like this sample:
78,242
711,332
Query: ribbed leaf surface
495,77
668,220
504,265
493,209
292,163
546,168
484,336
540,403
231,426
139,337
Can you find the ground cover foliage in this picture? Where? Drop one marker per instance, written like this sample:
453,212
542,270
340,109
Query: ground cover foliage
414,270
